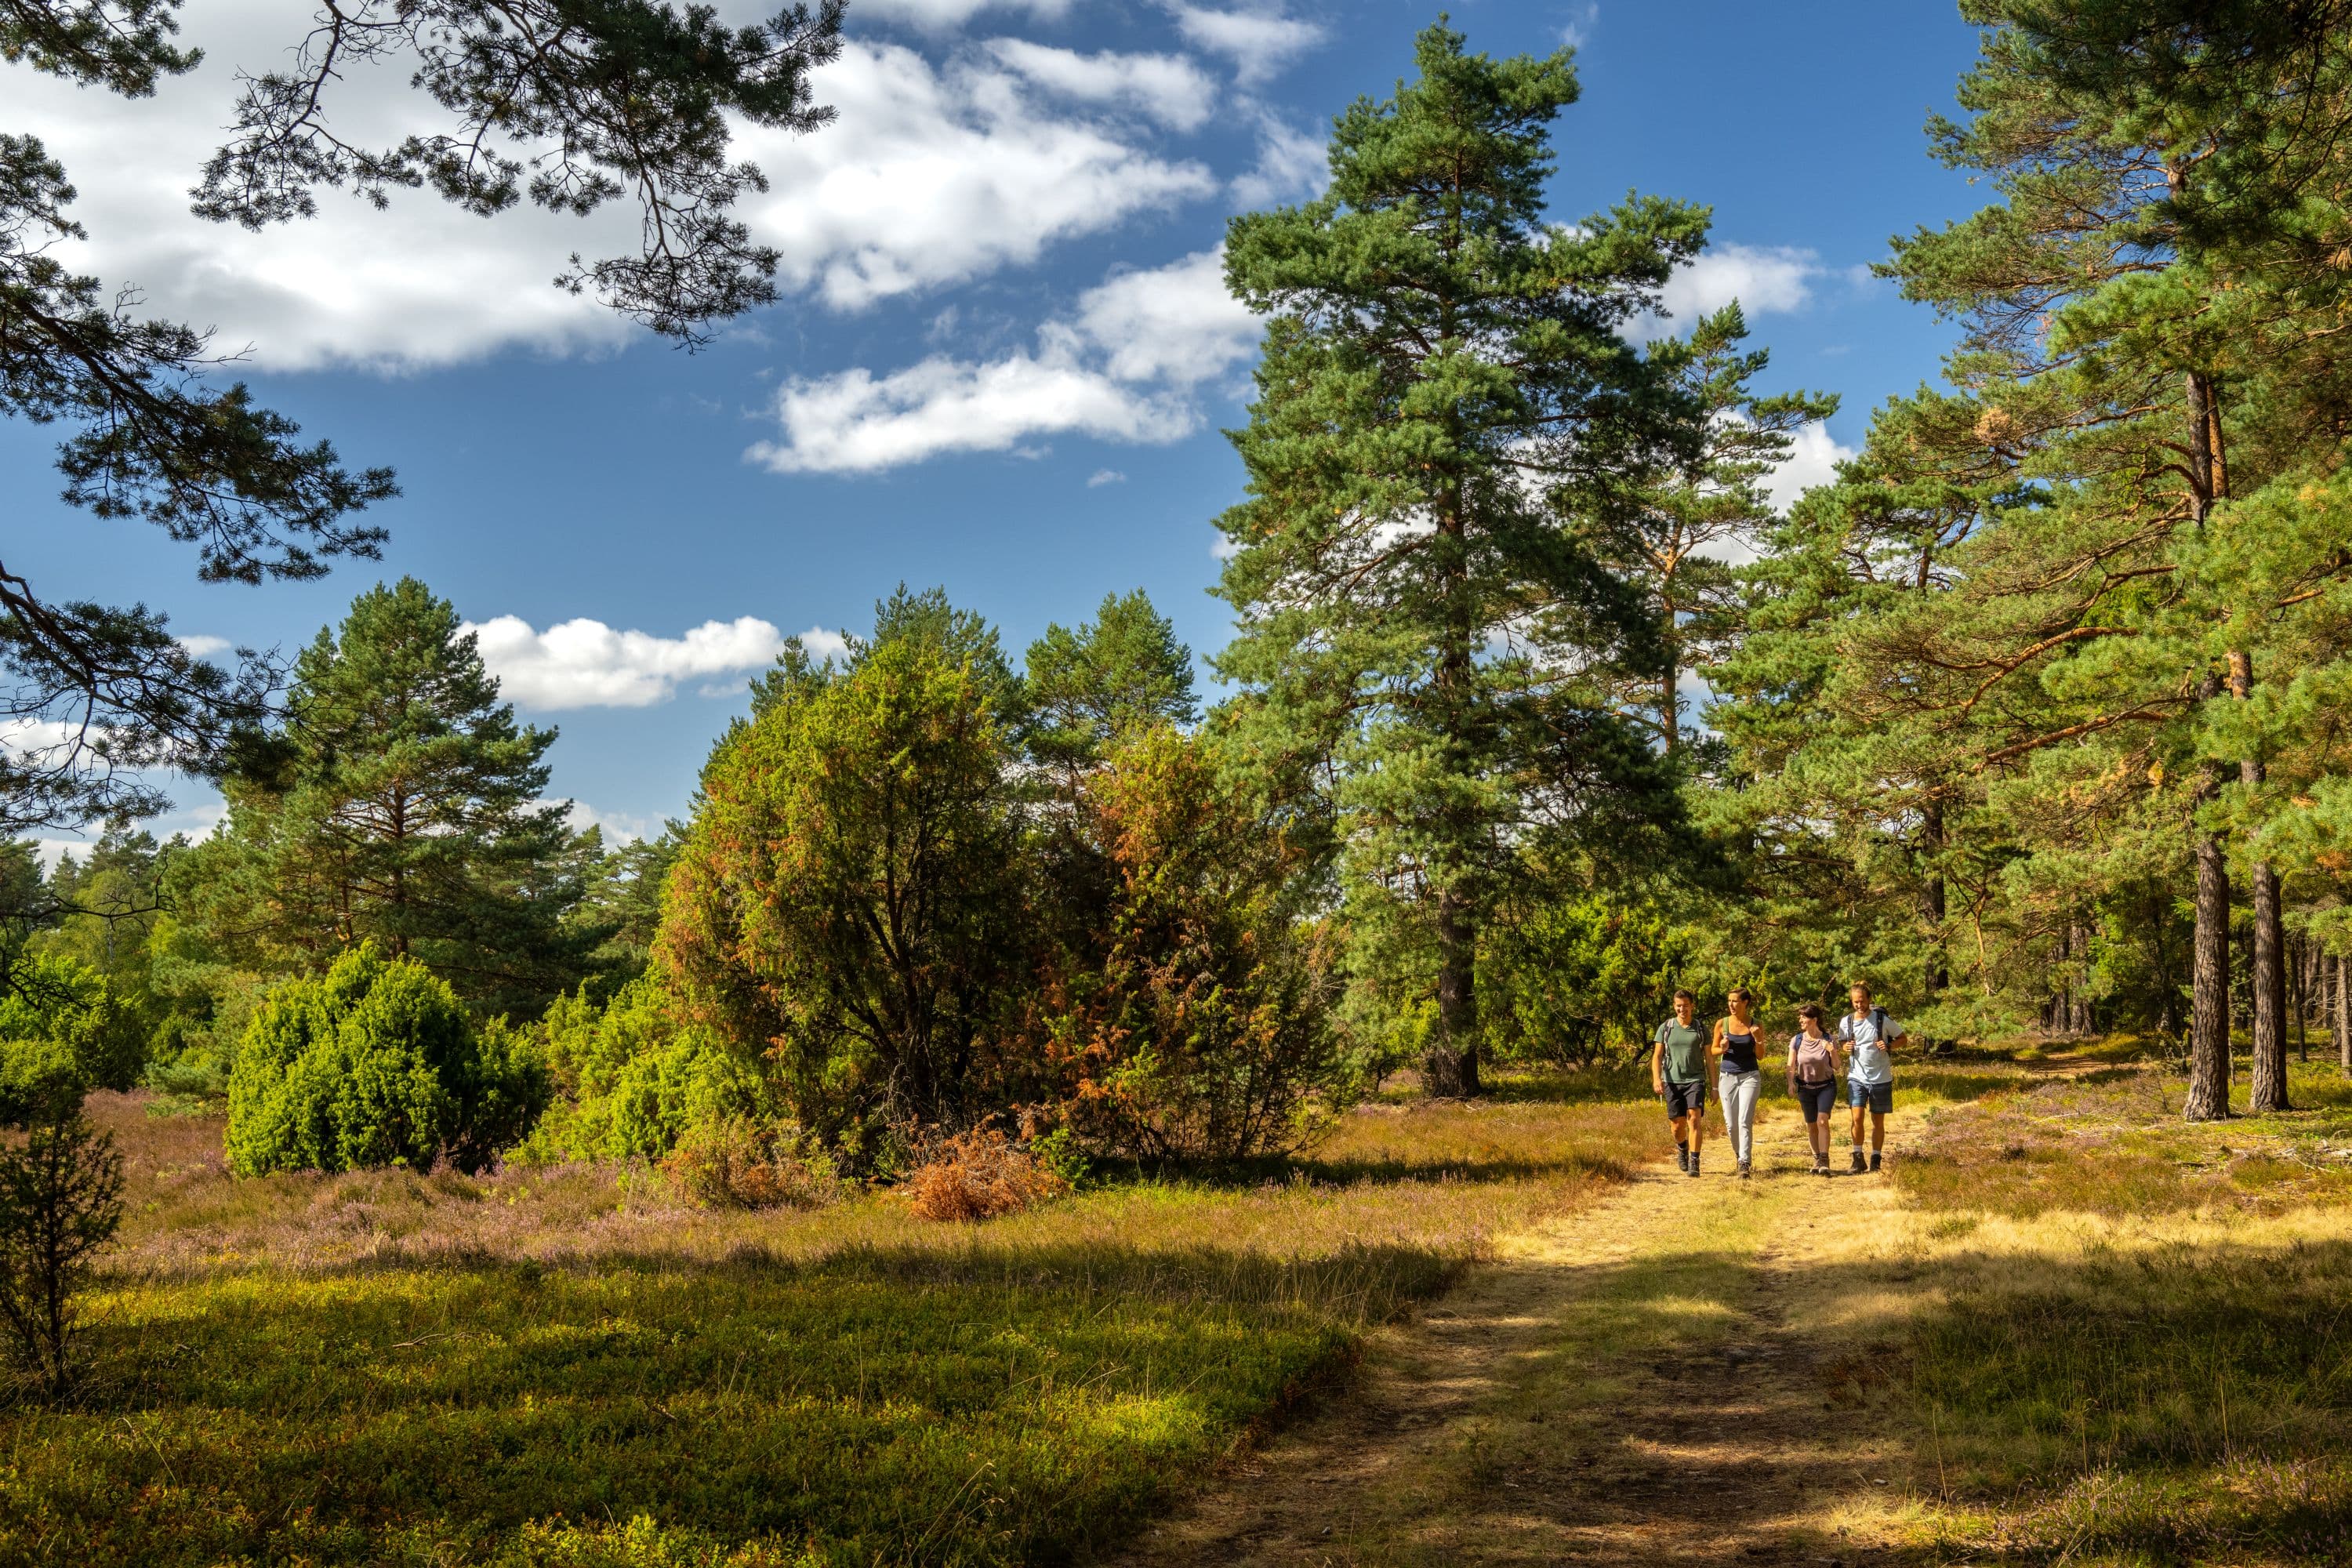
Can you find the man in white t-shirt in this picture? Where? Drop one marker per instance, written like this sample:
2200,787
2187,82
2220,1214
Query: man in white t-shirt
1869,1035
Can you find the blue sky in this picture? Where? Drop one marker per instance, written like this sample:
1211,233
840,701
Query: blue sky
1001,365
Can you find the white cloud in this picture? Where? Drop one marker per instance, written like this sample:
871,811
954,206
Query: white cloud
203,646
586,664
1102,477
1813,456
1120,369
853,423
936,175
945,15
932,175
1170,89
1290,162
1175,323
1578,30
1260,41
618,826
823,645
1763,279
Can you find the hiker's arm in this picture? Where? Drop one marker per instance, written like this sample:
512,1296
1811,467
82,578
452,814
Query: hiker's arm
1658,1066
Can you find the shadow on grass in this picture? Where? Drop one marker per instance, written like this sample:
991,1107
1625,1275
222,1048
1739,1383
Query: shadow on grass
837,1410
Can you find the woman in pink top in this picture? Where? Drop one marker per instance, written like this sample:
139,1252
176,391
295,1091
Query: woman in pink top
1813,1081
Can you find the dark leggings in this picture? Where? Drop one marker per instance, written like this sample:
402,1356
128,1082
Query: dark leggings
1816,1100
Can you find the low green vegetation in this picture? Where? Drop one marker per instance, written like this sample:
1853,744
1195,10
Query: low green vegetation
571,1364
2140,1356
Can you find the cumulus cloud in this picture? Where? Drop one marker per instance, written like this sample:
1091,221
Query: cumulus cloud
618,826
933,175
946,16
586,664
1260,40
1169,89
203,646
1121,368
1764,280
1102,477
936,175
1813,456
1290,164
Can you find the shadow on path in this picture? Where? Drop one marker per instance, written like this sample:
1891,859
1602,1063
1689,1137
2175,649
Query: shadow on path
1681,1374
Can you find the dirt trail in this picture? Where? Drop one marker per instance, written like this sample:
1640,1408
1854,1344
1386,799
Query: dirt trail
1683,1374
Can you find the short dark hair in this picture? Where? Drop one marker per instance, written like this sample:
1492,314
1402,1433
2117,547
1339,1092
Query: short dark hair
1685,997
1810,1010
1740,993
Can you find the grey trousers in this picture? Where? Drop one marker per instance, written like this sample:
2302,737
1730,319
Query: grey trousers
1738,1092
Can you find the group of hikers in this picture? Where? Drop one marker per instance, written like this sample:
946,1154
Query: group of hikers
1855,1051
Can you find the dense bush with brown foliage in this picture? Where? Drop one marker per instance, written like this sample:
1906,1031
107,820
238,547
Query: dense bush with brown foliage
980,1174
1191,1015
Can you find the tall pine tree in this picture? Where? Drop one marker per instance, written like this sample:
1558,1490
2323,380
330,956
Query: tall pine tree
401,804
1443,372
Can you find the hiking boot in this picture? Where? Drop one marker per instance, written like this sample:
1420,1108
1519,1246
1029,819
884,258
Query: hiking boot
1682,1158
1820,1164
1693,1164
1746,1169
1873,1160
1858,1166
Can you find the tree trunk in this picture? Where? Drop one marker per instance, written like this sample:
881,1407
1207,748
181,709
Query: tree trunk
2343,1019
2267,976
2298,978
2078,1020
1451,1067
2209,1024
1932,903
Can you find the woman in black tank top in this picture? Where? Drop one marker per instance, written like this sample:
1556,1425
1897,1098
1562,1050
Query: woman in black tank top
1739,1078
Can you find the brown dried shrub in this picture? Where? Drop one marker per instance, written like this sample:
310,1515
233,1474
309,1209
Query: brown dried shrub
979,1175
734,1162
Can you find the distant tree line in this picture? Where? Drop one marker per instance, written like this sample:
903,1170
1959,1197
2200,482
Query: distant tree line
2030,717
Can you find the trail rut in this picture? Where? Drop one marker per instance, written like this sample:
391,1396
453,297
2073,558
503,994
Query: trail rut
1685,1373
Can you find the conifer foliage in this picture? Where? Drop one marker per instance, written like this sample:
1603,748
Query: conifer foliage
400,804
1443,371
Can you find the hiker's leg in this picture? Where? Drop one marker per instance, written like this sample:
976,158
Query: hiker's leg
1877,1130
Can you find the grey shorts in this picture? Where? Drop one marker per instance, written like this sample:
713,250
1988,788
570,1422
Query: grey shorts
1877,1098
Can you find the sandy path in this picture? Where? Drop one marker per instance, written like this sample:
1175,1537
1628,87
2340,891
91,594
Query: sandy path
1683,1374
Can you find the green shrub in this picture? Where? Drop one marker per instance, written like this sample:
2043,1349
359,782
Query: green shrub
375,1063
635,1080
1194,1020
61,1025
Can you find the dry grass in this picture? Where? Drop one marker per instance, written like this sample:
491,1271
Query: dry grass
2127,1342
2111,1142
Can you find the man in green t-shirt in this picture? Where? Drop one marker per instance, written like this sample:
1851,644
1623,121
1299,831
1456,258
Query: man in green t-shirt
1678,1069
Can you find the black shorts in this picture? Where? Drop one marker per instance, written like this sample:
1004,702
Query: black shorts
1686,1098
1815,1100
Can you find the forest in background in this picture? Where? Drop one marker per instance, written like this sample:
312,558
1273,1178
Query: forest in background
1538,708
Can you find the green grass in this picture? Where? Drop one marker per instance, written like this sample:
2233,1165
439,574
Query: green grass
2150,1360
855,1415
570,1366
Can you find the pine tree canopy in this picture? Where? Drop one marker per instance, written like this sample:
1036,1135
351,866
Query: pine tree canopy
1445,381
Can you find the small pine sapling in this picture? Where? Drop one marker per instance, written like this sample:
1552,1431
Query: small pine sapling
61,1201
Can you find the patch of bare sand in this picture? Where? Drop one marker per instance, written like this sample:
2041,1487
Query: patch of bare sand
1687,1373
